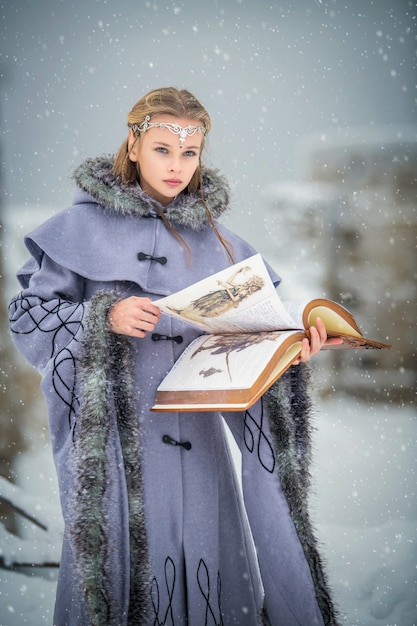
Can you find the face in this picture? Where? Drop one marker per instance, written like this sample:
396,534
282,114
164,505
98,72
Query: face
165,167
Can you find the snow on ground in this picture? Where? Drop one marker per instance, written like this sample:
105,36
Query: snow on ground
364,509
373,572
26,600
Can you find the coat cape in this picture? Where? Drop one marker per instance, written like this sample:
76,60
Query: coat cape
104,437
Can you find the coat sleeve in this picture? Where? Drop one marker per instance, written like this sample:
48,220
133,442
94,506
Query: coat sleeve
49,315
48,321
46,317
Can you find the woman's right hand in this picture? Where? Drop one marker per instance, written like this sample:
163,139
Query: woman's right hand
133,316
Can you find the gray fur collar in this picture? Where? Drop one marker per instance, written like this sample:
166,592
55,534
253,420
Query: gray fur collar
95,177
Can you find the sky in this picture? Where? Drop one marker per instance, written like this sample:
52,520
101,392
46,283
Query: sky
270,74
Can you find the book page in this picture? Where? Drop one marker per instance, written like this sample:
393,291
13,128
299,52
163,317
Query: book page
335,316
223,361
241,298
295,310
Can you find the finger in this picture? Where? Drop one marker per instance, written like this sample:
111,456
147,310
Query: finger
321,328
133,316
146,311
318,334
334,341
146,318
152,309
315,341
144,325
305,352
129,330
136,332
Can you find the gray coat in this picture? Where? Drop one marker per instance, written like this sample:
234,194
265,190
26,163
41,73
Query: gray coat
156,529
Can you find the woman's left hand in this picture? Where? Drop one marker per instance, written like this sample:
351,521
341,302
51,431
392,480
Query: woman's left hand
318,338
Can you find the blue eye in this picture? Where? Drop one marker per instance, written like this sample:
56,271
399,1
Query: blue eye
190,153
161,149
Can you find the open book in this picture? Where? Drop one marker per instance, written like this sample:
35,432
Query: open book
250,337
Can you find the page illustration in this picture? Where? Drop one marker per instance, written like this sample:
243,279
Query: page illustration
225,345
241,298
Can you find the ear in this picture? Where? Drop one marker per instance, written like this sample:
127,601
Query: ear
132,142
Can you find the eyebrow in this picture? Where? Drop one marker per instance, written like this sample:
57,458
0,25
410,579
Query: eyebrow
170,145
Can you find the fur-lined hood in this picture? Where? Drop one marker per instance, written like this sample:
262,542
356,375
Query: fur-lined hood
96,178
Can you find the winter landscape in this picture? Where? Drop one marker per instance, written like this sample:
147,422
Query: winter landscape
314,109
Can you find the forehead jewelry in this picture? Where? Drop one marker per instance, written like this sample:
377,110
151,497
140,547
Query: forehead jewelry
176,129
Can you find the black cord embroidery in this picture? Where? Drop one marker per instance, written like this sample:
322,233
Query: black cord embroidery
59,317
165,615
203,579
67,393
170,579
62,320
254,436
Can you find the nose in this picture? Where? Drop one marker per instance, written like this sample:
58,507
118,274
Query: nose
175,165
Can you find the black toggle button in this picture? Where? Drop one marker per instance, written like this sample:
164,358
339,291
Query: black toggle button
172,442
157,337
148,257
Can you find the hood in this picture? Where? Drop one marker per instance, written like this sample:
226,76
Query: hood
95,177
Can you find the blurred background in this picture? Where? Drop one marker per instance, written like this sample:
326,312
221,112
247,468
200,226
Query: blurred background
313,104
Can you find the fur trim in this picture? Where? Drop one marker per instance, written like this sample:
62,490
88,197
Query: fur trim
95,177
106,384
289,409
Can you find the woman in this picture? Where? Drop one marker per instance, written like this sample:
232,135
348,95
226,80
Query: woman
155,529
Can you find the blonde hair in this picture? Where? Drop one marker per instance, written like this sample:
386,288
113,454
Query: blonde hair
165,100
179,103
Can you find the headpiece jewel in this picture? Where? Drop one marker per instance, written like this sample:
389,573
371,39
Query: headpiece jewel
176,129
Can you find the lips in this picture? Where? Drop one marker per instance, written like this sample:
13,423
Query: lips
173,182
